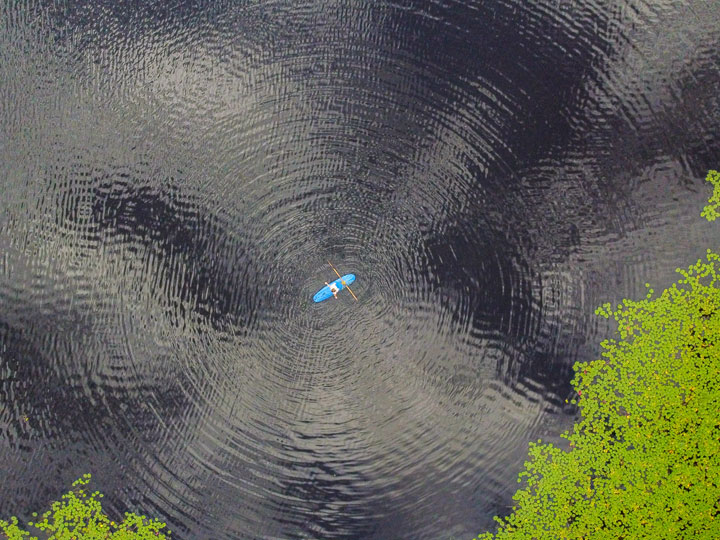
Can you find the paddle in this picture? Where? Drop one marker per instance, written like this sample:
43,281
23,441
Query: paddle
341,281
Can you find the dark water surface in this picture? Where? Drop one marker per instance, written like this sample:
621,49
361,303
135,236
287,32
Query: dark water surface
175,176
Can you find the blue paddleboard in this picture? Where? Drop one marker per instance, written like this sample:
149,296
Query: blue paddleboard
325,292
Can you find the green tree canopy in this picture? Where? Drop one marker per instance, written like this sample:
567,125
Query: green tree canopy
78,515
644,459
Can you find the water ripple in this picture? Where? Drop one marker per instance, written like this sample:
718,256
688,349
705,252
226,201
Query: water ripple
177,176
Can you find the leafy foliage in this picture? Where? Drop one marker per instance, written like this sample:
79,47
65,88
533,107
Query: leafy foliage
644,460
710,211
79,516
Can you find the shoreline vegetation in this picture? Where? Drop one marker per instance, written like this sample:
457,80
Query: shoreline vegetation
78,515
644,460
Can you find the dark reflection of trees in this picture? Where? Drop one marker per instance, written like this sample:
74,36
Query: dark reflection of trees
60,418
484,280
329,504
533,63
203,264
487,282
67,402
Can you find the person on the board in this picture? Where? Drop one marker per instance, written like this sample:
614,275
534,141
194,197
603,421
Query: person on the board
333,288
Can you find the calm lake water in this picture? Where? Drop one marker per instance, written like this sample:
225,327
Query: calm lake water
176,176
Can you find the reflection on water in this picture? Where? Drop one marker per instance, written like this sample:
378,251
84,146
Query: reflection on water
176,176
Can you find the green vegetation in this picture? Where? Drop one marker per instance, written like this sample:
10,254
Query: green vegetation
710,211
644,460
79,516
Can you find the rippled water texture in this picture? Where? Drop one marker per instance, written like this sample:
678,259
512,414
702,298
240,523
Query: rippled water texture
176,175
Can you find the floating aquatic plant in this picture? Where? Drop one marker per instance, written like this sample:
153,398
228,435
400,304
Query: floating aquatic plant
644,460
78,515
